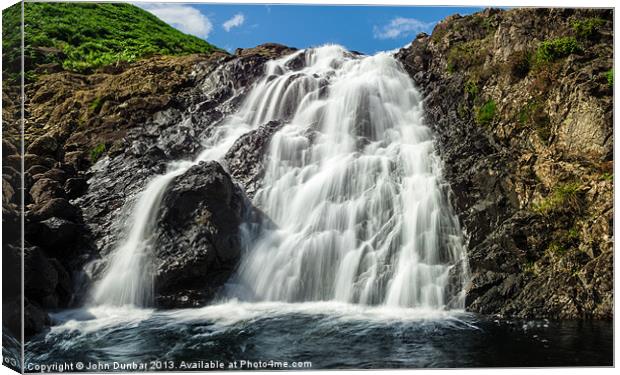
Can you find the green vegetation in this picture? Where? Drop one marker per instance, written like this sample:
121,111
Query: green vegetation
96,152
554,49
564,198
84,36
610,77
573,233
556,248
96,104
471,88
486,113
607,177
587,28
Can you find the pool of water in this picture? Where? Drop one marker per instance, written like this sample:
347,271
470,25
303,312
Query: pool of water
323,335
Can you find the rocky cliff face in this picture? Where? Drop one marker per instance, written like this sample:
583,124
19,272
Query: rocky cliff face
92,142
521,102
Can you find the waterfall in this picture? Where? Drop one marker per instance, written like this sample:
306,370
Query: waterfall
352,182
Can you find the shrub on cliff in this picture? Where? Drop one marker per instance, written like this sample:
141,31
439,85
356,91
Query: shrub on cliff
565,197
588,28
486,113
554,49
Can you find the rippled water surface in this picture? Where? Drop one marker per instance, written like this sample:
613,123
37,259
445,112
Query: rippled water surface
329,335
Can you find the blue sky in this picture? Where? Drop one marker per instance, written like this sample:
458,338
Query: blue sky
366,29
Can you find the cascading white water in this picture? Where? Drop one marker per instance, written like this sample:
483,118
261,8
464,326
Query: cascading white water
352,182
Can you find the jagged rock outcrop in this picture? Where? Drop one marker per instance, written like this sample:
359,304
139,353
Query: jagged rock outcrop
521,102
132,119
246,158
174,132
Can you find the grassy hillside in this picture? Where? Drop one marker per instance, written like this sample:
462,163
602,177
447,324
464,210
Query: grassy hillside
84,36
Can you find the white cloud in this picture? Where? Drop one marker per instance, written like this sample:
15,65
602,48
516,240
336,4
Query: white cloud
401,27
183,17
237,20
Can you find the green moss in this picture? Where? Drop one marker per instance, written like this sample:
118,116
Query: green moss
530,268
486,113
554,49
84,36
556,249
564,198
471,88
587,28
607,176
463,111
610,77
573,234
96,104
96,152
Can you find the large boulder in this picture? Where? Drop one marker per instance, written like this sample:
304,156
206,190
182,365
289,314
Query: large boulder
45,145
56,207
198,243
46,189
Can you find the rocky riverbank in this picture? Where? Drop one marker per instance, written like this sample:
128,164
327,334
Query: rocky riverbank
521,102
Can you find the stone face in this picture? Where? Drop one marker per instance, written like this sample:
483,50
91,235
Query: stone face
245,159
56,207
532,185
46,189
54,233
197,240
40,276
45,145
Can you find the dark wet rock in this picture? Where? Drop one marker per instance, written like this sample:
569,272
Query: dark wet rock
35,318
46,189
531,182
57,235
55,174
45,145
13,161
8,149
40,276
246,158
75,187
11,259
37,169
56,207
12,316
64,287
34,159
198,244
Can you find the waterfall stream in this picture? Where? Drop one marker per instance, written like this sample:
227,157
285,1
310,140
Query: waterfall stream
352,182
